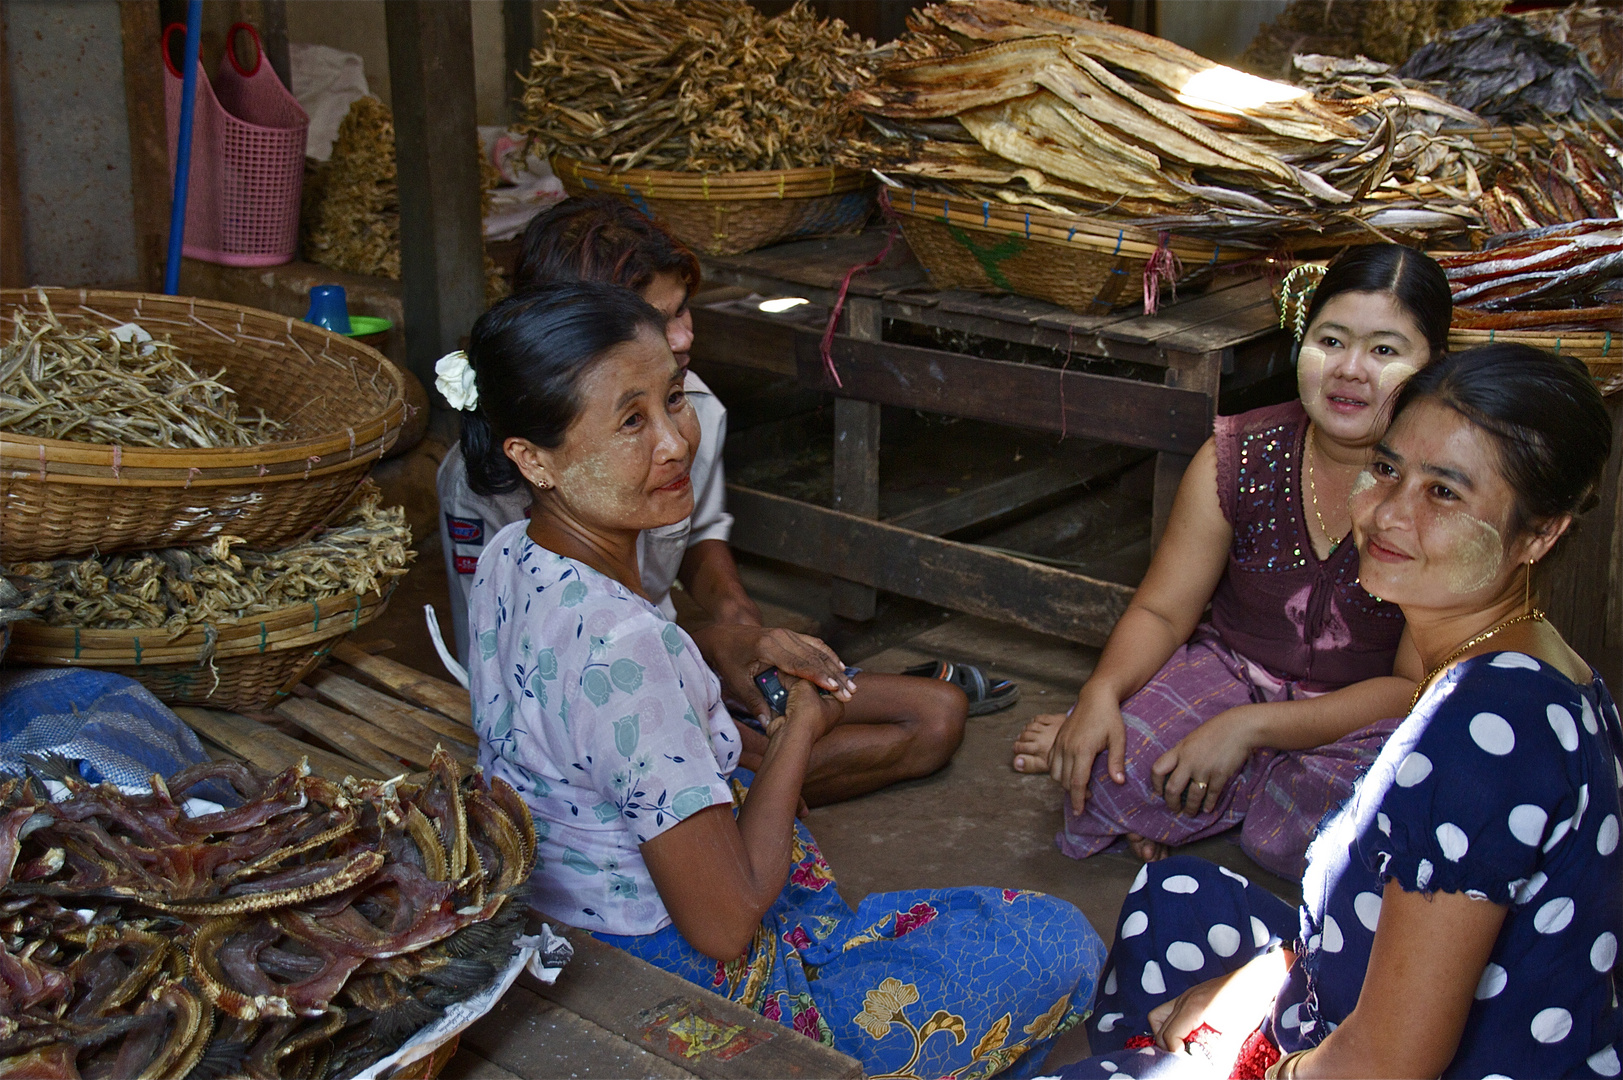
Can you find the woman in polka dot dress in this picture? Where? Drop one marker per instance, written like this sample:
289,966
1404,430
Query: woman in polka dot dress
1264,713
1461,913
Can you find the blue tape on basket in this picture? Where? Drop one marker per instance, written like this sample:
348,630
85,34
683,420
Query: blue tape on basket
1558,346
1606,348
1490,337
1215,251
912,200
315,607
1028,226
355,623
138,650
1120,236
261,637
986,213
1070,234
76,643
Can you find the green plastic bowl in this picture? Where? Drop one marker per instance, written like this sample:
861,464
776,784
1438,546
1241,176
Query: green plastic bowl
363,325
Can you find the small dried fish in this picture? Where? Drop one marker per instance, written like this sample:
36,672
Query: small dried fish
179,587
92,385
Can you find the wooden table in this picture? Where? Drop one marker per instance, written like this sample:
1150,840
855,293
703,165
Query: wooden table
1179,359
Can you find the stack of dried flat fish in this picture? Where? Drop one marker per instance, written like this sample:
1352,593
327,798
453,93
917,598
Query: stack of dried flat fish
305,931
1575,178
350,218
115,385
224,582
1005,101
1596,32
1384,30
1568,276
703,86
1507,71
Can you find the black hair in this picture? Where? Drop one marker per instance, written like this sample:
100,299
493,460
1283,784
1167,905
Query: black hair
1410,277
528,355
601,238
1542,410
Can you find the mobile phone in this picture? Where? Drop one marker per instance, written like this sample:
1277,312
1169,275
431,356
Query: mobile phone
777,698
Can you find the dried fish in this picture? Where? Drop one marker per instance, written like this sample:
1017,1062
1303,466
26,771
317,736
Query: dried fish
1572,268
1504,69
175,588
1384,30
93,384
703,86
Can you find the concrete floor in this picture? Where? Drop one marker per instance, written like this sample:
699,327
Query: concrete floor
976,822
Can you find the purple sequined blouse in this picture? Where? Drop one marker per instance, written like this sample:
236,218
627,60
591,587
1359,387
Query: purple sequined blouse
1278,605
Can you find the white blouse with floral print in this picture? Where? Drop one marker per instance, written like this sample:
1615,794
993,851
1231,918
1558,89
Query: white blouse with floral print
605,719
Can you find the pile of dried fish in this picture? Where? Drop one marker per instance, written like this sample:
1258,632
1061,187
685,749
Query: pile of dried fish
1596,32
1505,70
704,86
1580,176
1384,30
1006,101
305,932
350,217
1568,276
99,384
224,582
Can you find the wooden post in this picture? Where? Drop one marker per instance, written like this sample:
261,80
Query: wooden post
1204,375
442,256
518,38
150,182
13,267
273,33
856,461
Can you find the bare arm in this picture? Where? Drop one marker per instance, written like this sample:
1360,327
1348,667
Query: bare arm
711,577
1163,613
716,875
1428,957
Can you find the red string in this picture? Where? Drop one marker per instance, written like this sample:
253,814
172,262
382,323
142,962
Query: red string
1163,265
827,347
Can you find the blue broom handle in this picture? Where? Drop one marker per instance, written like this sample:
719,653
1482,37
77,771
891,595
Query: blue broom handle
183,150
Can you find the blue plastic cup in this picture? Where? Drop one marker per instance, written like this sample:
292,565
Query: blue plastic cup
329,308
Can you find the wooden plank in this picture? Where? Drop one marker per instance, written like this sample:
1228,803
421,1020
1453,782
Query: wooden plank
991,501
1217,306
13,266
149,141
431,693
1236,328
265,746
958,576
815,268
527,1036
1202,374
1124,411
518,38
634,999
402,721
856,462
731,337
442,254
341,730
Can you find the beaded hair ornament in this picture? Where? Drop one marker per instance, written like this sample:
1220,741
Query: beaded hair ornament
1296,296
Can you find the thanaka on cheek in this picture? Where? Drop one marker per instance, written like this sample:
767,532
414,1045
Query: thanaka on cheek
1392,376
1310,373
1477,552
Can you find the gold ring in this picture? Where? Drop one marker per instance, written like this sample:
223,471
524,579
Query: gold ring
1201,783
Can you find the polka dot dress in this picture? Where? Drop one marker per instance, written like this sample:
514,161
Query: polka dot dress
1503,785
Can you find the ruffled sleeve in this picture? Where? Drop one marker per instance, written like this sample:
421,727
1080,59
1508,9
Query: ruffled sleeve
1483,789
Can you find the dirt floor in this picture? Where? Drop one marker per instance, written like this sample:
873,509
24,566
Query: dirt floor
976,822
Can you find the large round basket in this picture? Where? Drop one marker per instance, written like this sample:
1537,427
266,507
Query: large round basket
1600,350
250,664
731,213
342,402
1084,264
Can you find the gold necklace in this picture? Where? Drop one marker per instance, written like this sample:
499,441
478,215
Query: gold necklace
1530,614
1313,491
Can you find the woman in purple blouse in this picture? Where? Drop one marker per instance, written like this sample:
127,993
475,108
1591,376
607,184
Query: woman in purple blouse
1266,710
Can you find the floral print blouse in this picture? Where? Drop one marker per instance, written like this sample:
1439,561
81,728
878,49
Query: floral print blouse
605,719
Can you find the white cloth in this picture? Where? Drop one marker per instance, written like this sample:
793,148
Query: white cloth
468,520
603,717
327,82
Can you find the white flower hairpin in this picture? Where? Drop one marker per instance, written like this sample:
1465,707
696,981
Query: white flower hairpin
454,378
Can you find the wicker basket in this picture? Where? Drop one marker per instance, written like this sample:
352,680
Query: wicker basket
250,664
1600,350
1500,141
731,213
344,405
1084,264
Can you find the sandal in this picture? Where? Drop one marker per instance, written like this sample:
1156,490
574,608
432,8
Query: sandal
984,695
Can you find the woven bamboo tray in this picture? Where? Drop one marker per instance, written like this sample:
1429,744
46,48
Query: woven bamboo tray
731,213
1500,141
1084,264
343,402
251,664
1600,350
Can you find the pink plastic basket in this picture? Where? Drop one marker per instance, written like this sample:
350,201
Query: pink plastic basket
248,139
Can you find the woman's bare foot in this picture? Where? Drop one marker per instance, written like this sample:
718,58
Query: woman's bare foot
1031,746
1148,850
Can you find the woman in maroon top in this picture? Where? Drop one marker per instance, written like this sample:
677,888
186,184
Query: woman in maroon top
1267,712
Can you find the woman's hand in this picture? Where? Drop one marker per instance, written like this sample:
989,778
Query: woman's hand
738,652
1231,1005
807,709
1191,776
1094,726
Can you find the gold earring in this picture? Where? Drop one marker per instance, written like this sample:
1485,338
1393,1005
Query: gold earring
1527,587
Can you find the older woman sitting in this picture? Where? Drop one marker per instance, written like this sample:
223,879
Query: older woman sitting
603,715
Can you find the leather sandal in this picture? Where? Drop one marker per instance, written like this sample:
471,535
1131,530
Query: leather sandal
985,696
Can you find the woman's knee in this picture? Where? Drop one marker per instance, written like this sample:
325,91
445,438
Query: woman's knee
940,712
